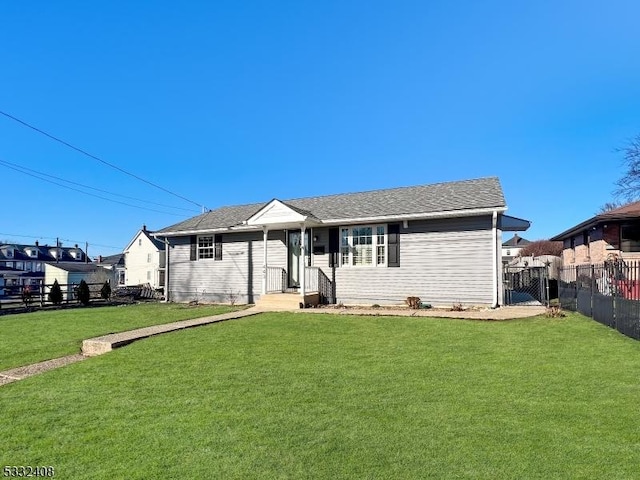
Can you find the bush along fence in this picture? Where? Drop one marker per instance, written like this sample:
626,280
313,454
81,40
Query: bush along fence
608,292
17,296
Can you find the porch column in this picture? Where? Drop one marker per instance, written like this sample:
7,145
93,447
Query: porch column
265,235
303,261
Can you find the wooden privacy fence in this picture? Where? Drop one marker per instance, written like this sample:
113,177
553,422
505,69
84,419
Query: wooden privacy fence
12,295
608,292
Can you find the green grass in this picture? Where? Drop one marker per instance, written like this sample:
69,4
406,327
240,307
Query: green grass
322,396
32,337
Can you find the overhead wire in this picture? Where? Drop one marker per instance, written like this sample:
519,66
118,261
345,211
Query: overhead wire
91,194
11,165
73,147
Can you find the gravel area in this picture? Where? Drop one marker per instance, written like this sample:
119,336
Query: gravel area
502,313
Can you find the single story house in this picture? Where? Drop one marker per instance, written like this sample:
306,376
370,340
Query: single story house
439,242
610,235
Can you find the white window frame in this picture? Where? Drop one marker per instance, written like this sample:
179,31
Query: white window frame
206,248
347,252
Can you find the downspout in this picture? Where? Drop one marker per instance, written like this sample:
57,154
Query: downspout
167,245
494,250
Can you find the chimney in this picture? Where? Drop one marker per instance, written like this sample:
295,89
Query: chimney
99,258
144,228
37,243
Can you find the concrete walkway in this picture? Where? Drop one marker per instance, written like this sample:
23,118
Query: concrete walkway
99,345
106,343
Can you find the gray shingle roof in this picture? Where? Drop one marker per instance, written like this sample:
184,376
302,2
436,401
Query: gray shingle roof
73,267
423,199
516,241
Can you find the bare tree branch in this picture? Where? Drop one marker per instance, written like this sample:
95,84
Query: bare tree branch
628,187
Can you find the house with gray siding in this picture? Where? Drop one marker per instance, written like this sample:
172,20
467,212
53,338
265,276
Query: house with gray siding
440,242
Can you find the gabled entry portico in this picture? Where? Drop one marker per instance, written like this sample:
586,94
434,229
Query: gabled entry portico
277,215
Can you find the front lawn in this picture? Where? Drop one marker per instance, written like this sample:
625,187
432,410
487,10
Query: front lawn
286,395
45,334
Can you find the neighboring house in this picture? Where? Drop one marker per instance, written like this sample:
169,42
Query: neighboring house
614,234
30,260
511,248
116,264
70,274
12,280
438,242
145,260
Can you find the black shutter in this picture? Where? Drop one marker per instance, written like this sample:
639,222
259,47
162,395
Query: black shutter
194,248
334,246
218,247
393,240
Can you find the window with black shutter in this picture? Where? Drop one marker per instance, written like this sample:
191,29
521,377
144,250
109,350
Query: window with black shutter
194,248
218,247
334,246
393,241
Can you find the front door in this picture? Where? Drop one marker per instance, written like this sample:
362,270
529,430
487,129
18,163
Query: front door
294,258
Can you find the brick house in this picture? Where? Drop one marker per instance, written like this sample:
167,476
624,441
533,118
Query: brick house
613,234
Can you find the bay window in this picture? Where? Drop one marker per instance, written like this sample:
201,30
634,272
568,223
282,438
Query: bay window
363,246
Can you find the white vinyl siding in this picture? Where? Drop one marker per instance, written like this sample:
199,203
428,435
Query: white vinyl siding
142,261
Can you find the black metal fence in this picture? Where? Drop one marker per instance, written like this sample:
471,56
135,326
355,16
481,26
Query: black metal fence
13,296
526,285
608,292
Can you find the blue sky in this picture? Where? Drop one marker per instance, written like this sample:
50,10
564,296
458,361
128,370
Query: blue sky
231,102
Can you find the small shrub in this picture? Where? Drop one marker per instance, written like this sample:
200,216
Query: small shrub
84,295
413,302
55,295
375,305
232,297
554,311
105,291
26,296
457,307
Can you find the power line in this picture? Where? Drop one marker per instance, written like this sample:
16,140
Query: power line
10,165
91,194
52,137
